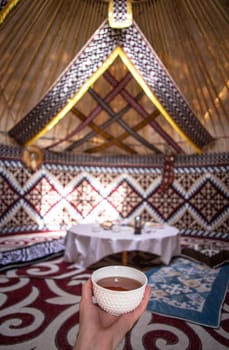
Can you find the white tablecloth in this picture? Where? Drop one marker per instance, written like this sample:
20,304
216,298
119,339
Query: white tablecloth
86,244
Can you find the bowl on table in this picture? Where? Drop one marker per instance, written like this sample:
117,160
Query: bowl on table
107,225
118,289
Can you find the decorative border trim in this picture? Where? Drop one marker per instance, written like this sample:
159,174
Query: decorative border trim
218,161
120,13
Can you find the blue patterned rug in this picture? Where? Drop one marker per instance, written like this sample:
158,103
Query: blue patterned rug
189,290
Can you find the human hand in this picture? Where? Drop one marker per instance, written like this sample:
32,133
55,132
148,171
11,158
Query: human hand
101,330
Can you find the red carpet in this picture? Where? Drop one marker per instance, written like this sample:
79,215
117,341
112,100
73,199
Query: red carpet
39,310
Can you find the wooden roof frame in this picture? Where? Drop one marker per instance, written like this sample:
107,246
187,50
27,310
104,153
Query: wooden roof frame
90,63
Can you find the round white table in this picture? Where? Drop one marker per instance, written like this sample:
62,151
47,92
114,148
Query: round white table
86,244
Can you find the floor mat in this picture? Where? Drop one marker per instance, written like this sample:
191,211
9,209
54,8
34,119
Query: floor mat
189,290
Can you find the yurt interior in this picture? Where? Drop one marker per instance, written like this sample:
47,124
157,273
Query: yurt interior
114,151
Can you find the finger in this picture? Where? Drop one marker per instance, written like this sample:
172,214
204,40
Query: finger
126,321
130,318
87,291
142,307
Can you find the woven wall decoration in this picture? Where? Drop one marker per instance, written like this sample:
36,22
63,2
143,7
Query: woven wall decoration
64,191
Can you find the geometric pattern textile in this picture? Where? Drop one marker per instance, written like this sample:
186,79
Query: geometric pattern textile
61,194
120,13
189,290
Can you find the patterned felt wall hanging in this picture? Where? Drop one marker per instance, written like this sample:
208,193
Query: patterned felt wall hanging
67,190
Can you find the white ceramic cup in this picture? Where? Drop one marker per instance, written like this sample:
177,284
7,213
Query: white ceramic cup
118,302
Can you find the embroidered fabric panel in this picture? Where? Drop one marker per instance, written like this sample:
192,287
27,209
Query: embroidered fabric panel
61,194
